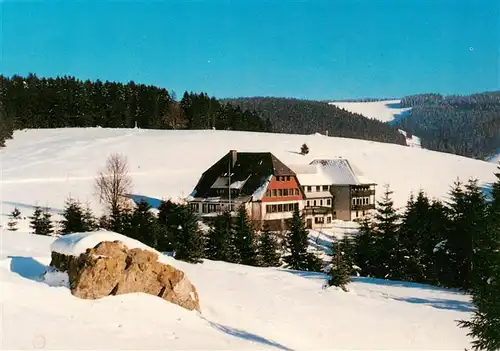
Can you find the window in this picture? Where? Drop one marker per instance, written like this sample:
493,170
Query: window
280,208
285,192
268,193
328,219
318,188
321,202
212,208
319,220
274,193
268,208
205,208
328,202
297,192
357,214
195,207
287,178
309,189
314,203
308,203
354,201
363,213
280,192
325,187
296,206
278,179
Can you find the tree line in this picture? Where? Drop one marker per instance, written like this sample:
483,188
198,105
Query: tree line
463,125
297,116
33,102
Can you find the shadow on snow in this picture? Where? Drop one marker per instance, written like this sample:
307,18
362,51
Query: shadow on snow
238,333
442,304
27,267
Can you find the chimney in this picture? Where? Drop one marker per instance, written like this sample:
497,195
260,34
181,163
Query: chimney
234,156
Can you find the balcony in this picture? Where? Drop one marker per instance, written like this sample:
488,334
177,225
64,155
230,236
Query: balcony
362,193
366,207
318,210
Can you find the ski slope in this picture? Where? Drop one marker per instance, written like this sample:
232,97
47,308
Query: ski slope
43,167
243,308
385,111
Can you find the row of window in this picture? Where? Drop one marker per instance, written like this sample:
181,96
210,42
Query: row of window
282,192
317,188
360,200
211,208
314,203
283,178
282,207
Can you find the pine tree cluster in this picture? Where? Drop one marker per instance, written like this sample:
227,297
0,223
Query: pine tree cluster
33,102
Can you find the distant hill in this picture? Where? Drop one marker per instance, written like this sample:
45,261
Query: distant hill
463,125
307,117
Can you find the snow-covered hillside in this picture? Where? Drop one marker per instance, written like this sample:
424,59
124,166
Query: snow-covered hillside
46,166
242,308
384,111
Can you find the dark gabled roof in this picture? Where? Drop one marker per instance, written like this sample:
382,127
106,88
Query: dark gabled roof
254,167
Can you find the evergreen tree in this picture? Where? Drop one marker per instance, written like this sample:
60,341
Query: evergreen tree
142,225
219,244
168,222
269,255
89,220
47,227
120,220
244,236
418,239
41,222
341,265
73,218
364,247
304,149
188,238
484,326
467,222
14,218
389,259
297,243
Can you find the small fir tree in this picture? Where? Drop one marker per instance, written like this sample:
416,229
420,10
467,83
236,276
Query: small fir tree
89,220
304,149
40,222
73,218
219,243
484,327
142,225
188,238
297,243
244,239
269,255
339,273
364,247
388,256
14,218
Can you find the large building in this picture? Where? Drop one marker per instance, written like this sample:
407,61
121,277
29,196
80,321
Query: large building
257,180
324,190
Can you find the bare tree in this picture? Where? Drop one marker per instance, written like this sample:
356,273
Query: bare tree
114,182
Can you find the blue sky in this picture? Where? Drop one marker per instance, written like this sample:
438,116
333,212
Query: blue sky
305,49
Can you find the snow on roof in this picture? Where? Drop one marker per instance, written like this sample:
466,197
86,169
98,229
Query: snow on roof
261,190
310,175
339,171
77,243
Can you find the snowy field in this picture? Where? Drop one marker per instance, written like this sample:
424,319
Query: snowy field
44,167
243,308
384,111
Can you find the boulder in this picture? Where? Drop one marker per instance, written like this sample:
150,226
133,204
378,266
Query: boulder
110,268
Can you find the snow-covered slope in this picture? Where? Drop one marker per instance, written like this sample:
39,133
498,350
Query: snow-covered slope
384,111
242,308
46,166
